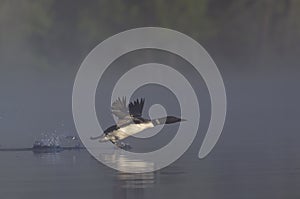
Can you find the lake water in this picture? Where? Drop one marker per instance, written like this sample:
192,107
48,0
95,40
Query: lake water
257,156
226,173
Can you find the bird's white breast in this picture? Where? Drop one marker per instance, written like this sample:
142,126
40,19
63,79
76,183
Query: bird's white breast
132,129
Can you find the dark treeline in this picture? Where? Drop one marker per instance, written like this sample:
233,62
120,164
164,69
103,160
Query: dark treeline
53,34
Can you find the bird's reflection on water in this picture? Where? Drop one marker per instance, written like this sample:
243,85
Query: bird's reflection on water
135,181
128,185
131,180
74,164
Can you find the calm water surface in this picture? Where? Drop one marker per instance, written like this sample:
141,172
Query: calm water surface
257,156
223,174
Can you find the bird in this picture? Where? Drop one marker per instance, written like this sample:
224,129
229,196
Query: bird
130,122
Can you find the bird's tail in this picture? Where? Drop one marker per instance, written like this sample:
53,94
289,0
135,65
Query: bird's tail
100,138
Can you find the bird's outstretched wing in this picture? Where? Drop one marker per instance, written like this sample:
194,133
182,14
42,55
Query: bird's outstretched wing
119,108
136,107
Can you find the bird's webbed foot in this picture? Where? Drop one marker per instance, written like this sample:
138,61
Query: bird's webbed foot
123,145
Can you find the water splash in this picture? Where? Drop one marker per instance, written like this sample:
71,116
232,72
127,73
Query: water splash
48,140
53,140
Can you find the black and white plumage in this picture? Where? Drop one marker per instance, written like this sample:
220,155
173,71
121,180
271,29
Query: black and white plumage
130,121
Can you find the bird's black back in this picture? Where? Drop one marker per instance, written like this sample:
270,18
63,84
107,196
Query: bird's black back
111,129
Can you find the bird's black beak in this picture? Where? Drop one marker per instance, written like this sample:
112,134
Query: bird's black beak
172,119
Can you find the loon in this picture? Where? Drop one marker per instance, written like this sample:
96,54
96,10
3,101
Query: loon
130,122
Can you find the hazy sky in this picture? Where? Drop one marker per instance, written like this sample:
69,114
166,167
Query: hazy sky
42,47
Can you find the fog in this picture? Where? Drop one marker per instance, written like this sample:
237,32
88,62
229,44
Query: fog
255,44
